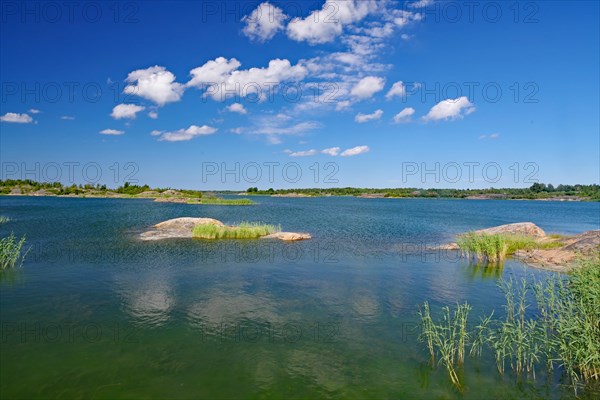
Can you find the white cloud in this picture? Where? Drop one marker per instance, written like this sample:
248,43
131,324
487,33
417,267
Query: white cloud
324,25
420,3
34,111
450,109
111,132
398,89
16,118
126,111
404,17
264,22
237,131
67,118
492,136
367,87
404,115
182,135
342,105
303,153
153,114
237,108
362,118
332,151
355,151
155,84
221,78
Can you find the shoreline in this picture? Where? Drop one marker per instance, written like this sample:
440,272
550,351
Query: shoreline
177,199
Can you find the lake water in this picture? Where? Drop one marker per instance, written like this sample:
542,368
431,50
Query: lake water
96,313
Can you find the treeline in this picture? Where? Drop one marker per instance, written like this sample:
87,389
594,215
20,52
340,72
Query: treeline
536,191
57,188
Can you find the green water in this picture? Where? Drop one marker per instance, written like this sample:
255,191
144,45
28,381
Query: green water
96,313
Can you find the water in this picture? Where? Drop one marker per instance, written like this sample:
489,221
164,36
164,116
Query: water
96,313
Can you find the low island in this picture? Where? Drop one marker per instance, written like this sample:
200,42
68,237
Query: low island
212,229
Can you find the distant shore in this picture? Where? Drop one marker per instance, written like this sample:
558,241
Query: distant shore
541,192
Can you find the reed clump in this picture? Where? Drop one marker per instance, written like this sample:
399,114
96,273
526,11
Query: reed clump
495,248
553,323
245,230
11,255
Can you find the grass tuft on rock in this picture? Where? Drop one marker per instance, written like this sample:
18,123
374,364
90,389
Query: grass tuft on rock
245,230
495,248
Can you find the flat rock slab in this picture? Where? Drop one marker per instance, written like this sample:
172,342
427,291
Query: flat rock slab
520,228
181,228
288,236
177,228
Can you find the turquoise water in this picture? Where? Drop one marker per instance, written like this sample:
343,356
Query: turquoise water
96,313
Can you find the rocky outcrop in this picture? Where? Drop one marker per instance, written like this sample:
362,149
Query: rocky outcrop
288,236
520,228
561,258
177,228
181,228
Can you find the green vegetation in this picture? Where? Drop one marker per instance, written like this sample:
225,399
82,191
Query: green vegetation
4,220
224,202
495,248
448,339
28,187
536,191
245,230
10,252
563,333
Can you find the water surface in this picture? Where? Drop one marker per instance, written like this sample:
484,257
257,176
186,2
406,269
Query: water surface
96,313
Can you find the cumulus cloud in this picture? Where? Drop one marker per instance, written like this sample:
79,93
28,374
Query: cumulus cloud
183,135
67,118
155,84
264,22
398,89
362,118
367,87
303,153
126,111
153,114
16,118
324,25
355,151
332,151
342,105
450,109
237,108
220,78
34,111
420,3
404,115
111,132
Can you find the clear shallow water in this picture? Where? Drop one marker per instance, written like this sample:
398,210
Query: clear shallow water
96,313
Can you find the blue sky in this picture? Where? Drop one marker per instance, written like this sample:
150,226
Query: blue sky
227,95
